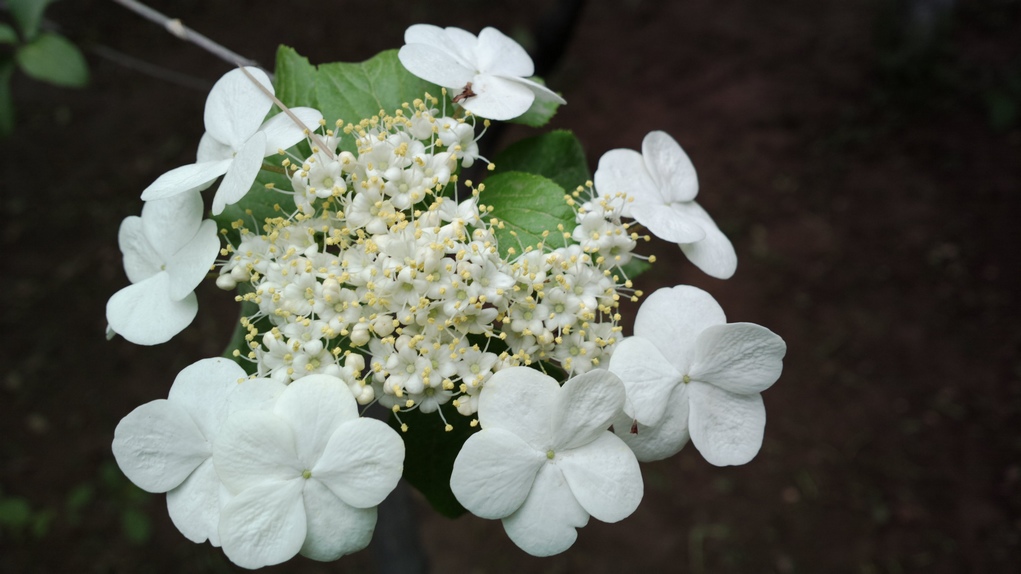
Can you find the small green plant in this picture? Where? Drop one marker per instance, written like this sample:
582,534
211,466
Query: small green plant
41,55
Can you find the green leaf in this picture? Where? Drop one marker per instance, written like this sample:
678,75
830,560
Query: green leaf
557,155
8,35
541,112
6,100
260,201
28,14
53,59
527,205
353,92
431,452
294,79
634,268
15,513
135,525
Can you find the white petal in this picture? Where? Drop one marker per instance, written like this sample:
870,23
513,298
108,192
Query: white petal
254,448
498,98
540,91
195,176
190,265
334,527
141,261
667,222
498,54
520,400
494,472
669,167
194,506
585,407
435,65
212,150
546,523
714,254
242,173
604,477
282,133
202,389
673,317
158,445
362,462
726,428
145,314
255,394
623,171
169,224
458,43
648,378
265,524
666,438
236,107
315,407
738,357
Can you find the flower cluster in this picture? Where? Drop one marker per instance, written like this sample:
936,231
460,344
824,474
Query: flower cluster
382,276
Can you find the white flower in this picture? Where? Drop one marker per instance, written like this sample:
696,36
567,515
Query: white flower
306,476
544,461
167,252
663,184
235,141
687,370
166,445
495,66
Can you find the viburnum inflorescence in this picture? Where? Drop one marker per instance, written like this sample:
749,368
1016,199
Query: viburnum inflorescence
389,263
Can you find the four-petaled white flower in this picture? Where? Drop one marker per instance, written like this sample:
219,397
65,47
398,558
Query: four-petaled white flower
544,460
663,185
165,445
306,476
489,72
236,140
688,371
167,252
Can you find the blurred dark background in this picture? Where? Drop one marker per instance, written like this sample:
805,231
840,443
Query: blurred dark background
864,159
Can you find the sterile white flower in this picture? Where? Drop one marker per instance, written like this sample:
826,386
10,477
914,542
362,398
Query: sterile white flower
165,445
306,476
544,460
235,141
687,370
662,183
490,71
167,252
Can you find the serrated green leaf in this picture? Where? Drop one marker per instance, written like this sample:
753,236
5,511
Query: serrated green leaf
353,92
6,99
541,111
28,14
556,155
294,79
431,452
52,58
527,205
8,35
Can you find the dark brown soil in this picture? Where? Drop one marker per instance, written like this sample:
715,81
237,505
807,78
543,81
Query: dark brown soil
873,195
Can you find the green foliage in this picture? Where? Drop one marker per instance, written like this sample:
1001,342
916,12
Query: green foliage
6,101
556,155
541,112
8,35
531,210
431,452
27,14
294,78
52,58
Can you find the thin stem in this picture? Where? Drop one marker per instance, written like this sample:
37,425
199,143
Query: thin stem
175,27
